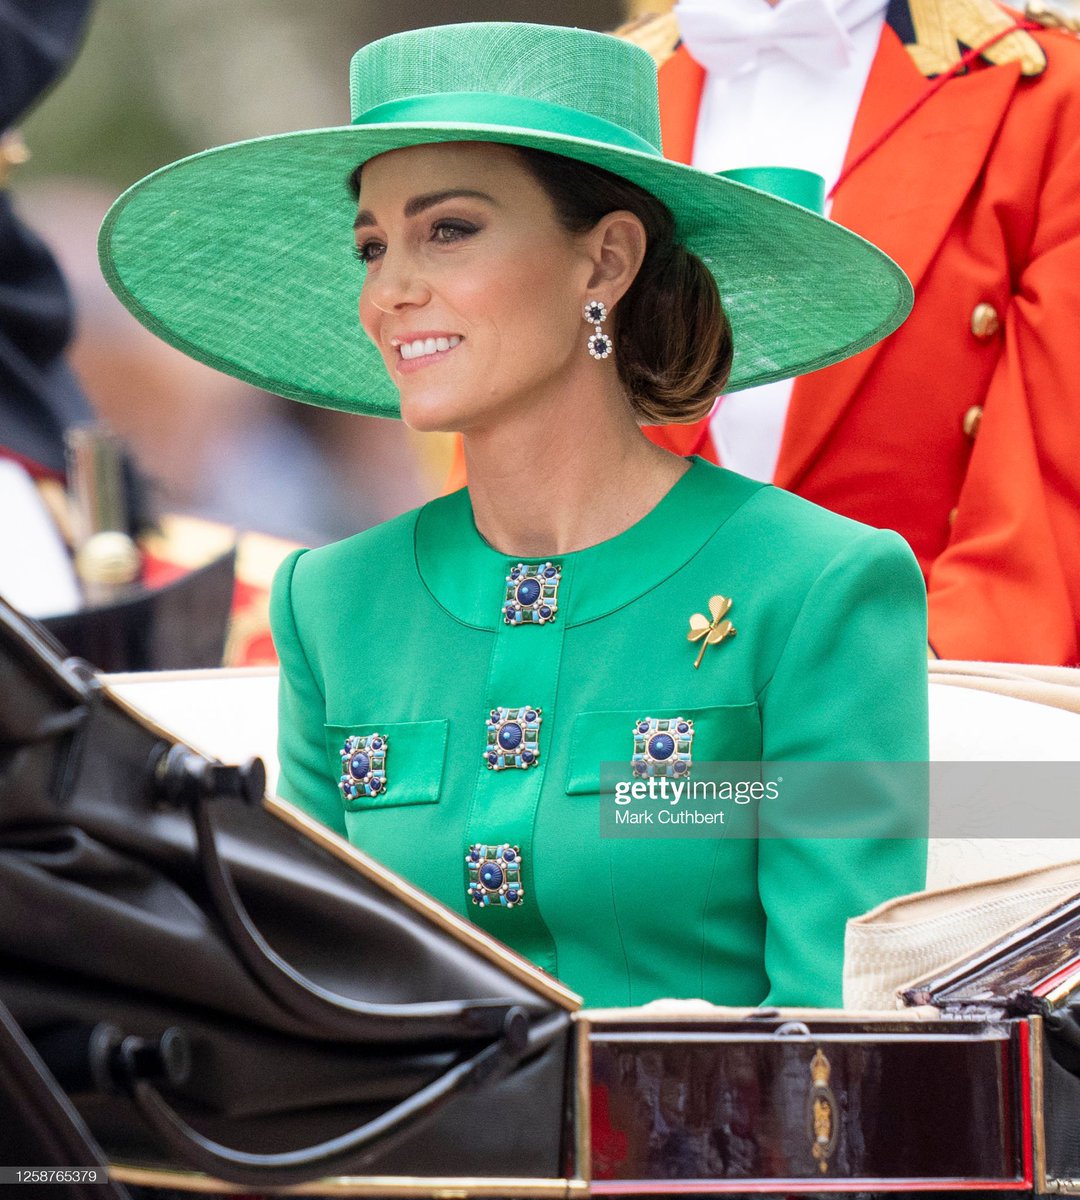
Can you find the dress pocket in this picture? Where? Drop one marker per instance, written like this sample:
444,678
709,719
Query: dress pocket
415,752
722,733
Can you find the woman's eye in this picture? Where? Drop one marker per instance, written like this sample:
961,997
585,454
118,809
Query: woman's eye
367,252
452,231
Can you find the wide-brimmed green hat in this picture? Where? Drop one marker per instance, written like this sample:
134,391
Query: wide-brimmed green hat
242,256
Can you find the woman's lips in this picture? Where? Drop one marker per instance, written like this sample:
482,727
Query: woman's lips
417,352
417,347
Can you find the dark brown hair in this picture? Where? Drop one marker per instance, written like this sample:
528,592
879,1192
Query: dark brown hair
673,343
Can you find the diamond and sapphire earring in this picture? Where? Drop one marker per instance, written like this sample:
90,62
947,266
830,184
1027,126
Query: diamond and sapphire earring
600,345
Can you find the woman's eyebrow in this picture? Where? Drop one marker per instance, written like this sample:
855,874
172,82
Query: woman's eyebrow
418,204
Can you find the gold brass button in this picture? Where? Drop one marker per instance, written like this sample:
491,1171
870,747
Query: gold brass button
952,517
985,322
972,420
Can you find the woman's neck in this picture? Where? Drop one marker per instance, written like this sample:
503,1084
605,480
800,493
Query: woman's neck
565,478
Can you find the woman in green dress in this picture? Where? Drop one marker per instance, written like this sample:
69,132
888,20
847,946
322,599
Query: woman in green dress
463,687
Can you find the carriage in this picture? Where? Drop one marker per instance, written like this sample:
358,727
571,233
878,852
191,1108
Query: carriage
203,989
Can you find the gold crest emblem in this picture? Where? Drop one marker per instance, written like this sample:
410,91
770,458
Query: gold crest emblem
822,1111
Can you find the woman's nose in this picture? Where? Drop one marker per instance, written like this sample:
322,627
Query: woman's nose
396,283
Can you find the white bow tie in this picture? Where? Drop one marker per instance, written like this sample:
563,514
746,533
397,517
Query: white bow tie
727,35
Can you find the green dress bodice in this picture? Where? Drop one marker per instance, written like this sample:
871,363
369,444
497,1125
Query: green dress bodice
400,631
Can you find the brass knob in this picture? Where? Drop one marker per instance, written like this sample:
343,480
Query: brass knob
985,322
13,153
108,557
972,420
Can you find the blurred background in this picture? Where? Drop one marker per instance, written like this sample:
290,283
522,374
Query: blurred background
158,79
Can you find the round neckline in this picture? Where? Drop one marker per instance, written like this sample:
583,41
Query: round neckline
466,575
573,555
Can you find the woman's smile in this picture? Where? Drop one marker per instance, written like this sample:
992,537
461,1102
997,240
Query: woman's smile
416,351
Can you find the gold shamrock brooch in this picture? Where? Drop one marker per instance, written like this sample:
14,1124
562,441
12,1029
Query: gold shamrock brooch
710,633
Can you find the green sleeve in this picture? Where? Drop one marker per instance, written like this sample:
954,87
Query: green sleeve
849,686
306,776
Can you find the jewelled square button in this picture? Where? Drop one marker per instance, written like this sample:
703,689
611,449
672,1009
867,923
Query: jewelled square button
513,738
662,747
363,766
532,594
494,875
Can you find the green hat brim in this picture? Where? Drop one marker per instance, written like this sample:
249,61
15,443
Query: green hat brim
242,257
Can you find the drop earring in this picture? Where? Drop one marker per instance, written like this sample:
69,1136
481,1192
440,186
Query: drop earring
600,345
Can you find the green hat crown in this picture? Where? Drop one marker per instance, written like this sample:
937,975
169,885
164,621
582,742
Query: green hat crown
567,82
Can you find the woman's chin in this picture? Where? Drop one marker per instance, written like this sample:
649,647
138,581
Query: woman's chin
439,413
436,414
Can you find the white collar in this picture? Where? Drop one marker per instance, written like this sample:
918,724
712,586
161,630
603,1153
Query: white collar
728,36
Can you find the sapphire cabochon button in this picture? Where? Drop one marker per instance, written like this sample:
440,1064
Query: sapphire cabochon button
510,737
661,746
528,591
531,594
363,765
491,875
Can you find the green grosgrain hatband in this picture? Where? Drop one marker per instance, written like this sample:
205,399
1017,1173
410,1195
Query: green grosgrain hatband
475,108
242,256
805,188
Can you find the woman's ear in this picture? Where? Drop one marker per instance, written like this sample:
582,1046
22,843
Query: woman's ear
616,246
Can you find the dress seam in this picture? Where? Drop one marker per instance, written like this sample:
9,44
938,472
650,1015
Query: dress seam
844,550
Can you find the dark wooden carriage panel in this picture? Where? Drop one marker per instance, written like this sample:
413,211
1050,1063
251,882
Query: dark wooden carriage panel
737,1107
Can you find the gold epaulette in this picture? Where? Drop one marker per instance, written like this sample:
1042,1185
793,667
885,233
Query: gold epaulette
1055,14
658,33
945,28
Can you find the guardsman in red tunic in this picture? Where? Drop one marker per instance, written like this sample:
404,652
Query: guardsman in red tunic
961,430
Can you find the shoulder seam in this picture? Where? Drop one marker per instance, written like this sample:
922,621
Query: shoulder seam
297,555
842,550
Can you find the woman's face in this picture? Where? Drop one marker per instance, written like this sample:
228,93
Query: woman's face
474,289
